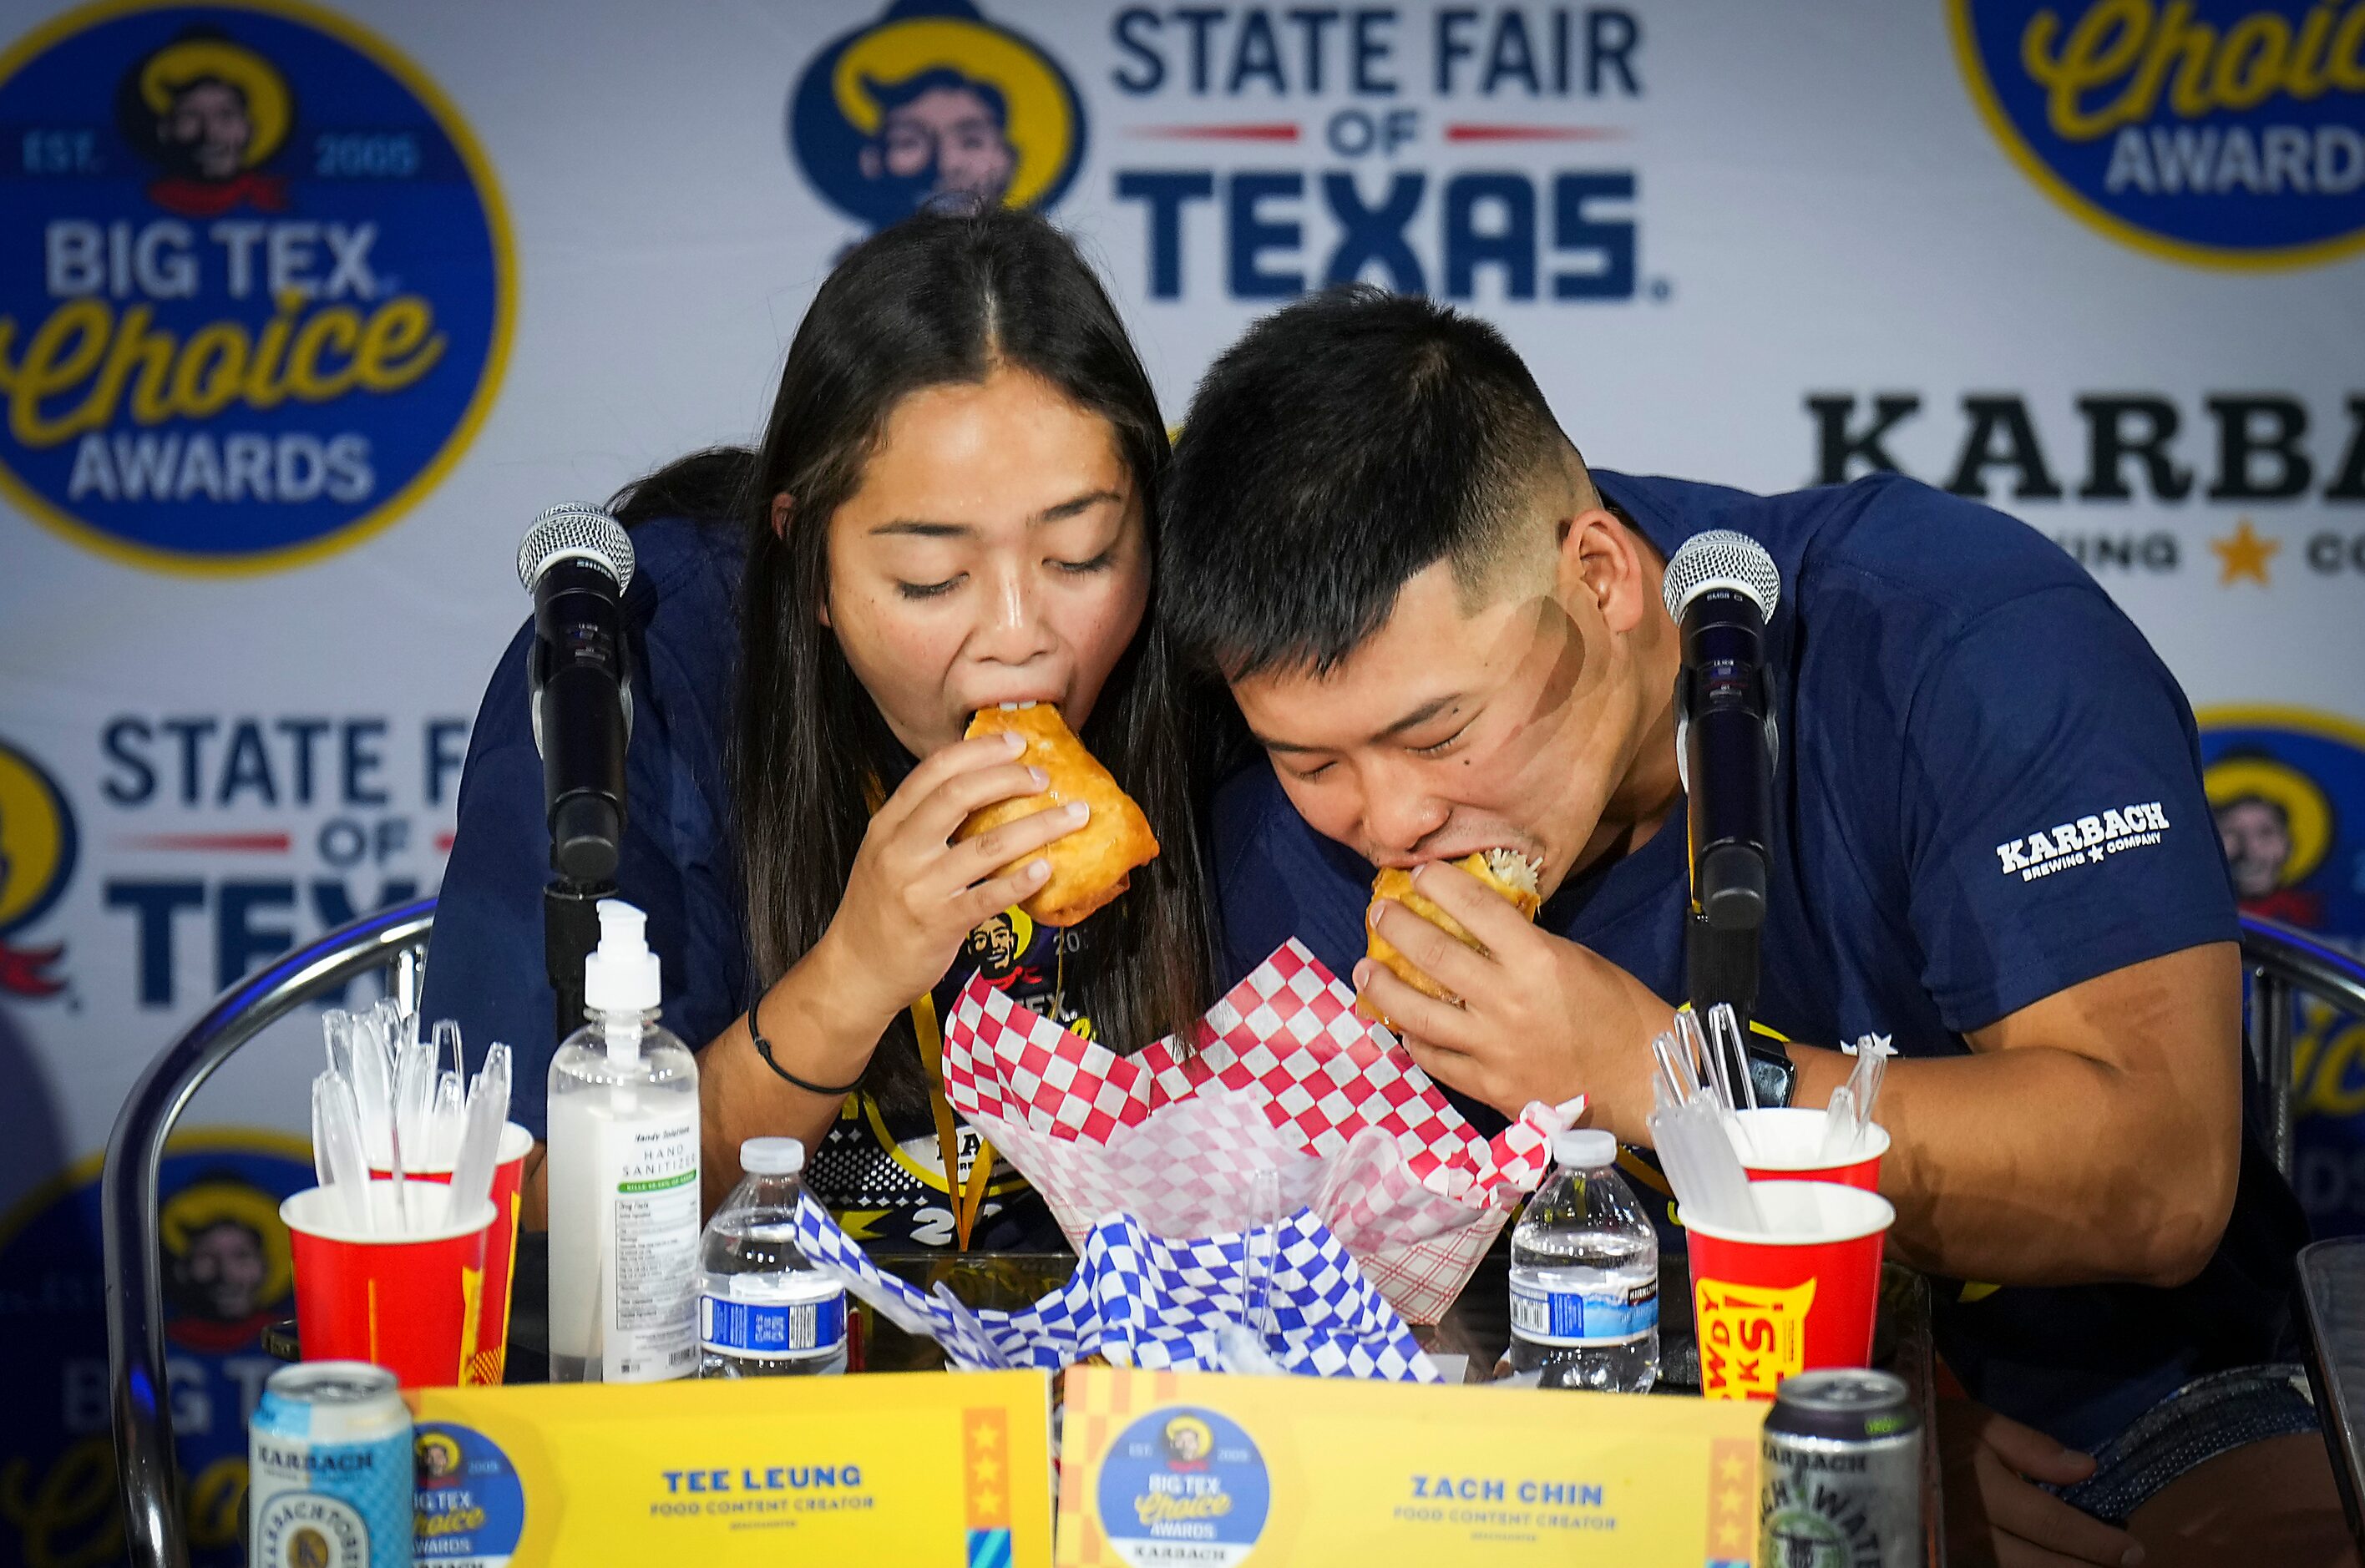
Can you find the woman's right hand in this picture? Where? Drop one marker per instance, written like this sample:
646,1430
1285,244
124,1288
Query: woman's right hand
913,896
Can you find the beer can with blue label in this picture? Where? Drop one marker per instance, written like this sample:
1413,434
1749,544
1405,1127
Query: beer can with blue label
1842,1474
329,1477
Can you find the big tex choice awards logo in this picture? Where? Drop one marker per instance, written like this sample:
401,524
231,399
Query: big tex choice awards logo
37,845
2287,789
254,284
2229,132
932,105
1184,1485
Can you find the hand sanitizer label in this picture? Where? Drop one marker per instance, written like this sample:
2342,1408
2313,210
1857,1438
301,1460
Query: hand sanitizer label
649,1172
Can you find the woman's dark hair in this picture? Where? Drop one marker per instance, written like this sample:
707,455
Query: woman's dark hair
939,298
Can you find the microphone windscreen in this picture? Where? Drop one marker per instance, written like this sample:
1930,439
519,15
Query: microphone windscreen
573,531
1721,558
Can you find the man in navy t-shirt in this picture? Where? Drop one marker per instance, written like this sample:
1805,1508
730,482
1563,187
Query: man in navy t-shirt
1989,843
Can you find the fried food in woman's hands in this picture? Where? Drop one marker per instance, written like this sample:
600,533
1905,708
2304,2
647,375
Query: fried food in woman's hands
1092,864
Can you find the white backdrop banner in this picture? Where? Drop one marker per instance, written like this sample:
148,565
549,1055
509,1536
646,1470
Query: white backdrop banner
306,312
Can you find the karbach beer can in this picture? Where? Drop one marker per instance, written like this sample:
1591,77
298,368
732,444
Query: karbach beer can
1842,1474
329,1477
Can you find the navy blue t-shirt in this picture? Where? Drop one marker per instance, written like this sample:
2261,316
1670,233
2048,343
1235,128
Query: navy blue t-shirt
1988,791
878,1168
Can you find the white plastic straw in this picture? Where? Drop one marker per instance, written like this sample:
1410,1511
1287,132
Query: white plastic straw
1696,1046
320,1141
480,1139
1839,1126
341,1146
1872,1054
444,1124
1724,1028
373,1082
414,1102
337,1031
1704,1168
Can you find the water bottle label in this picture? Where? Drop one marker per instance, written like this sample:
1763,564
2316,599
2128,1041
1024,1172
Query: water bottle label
1600,1317
763,1332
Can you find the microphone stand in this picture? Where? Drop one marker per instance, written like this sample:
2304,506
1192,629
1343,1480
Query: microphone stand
570,931
1721,966
587,833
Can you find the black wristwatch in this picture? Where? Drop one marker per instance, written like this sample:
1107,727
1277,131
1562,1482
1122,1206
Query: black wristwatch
1771,1071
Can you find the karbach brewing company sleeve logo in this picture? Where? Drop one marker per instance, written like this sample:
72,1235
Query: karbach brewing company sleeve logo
2229,132
254,284
37,845
932,105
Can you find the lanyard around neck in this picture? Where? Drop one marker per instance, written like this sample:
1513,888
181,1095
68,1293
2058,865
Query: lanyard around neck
965,1198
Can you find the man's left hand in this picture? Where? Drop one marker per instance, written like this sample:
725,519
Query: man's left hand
1539,1018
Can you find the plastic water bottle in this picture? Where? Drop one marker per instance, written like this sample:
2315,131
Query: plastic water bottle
1584,1277
763,1309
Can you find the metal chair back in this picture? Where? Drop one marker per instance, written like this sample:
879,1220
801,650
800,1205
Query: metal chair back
394,940
2284,963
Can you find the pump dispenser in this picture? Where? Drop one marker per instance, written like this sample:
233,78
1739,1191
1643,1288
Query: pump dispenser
623,1176
619,978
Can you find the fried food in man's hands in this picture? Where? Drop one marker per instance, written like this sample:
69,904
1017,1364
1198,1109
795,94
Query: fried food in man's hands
1508,874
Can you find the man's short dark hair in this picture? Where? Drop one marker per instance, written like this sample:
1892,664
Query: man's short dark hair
1343,445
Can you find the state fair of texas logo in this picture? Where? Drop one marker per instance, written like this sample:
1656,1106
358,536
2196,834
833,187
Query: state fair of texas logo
2226,132
255,283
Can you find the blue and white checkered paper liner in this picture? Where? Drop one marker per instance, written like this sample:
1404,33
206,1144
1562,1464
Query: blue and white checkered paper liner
1146,1301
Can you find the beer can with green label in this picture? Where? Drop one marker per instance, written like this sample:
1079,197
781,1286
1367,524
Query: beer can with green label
1841,1475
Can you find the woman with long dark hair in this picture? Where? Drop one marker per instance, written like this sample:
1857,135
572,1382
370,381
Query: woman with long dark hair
949,509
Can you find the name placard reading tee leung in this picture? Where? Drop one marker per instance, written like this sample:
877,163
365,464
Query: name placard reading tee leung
911,1467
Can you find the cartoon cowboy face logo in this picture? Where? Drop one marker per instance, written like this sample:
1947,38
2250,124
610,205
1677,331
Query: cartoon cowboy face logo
933,105
1000,943
208,112
2275,825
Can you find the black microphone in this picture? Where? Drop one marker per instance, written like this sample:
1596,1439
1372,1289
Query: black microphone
576,561
1722,588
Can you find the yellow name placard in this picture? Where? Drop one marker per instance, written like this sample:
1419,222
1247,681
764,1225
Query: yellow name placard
899,1467
1159,1468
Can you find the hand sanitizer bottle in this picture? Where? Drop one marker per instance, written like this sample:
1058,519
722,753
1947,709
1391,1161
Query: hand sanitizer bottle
623,1176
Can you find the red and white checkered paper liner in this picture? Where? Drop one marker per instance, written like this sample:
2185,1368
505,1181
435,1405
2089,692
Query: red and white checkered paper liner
1283,1076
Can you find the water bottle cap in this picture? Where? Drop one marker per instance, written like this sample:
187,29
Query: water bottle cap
1585,1148
771,1157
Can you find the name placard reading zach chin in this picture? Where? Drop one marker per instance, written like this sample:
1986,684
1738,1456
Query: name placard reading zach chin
1173,1468
915,1467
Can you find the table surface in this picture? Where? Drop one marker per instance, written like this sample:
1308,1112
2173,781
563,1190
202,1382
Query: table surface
1478,1327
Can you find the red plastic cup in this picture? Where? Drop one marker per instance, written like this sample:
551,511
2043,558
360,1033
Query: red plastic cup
412,1303
489,1361
1786,1145
1799,1295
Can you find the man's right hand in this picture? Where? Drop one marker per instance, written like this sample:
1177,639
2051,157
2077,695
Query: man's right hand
1996,1514
913,896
